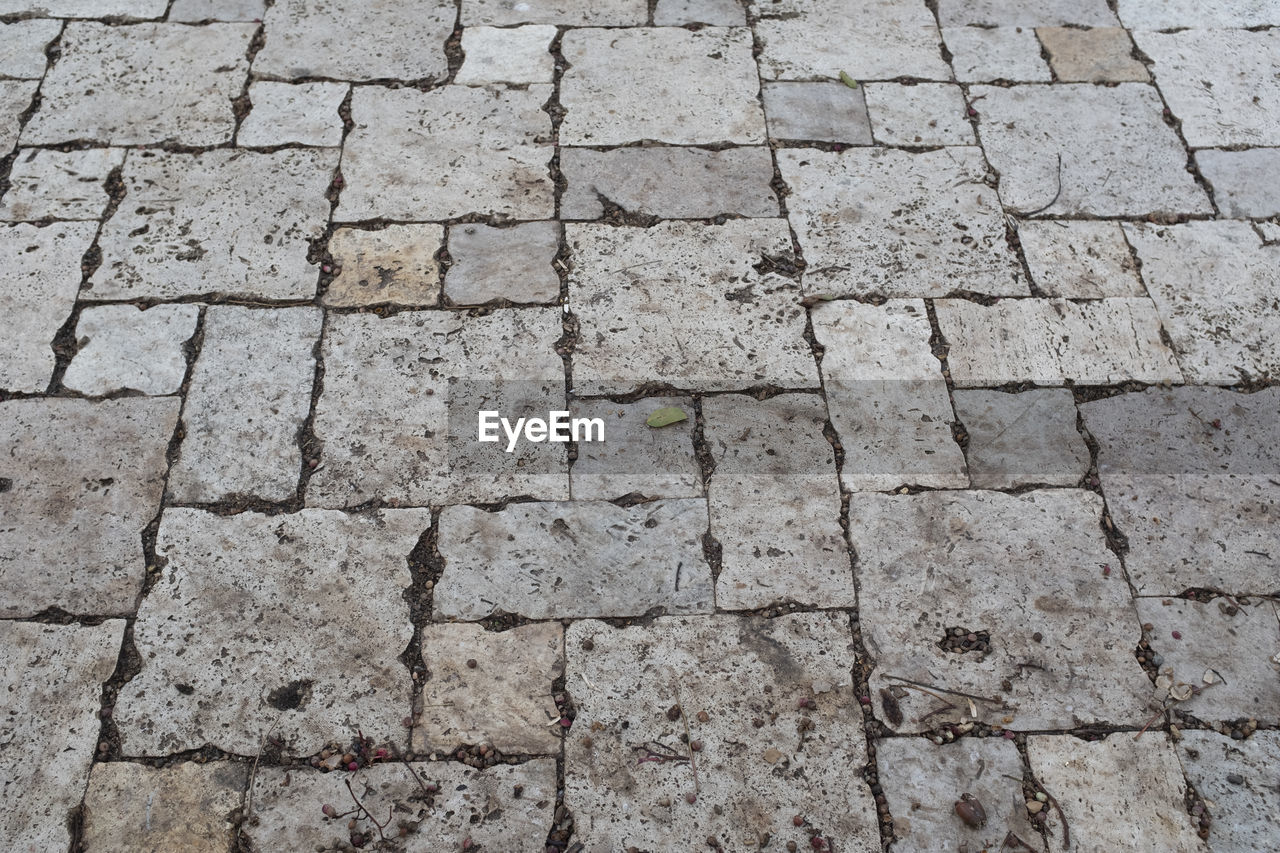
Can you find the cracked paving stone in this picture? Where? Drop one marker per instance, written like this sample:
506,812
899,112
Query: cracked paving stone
289,624
1022,439
399,412
1242,180
249,397
513,263
396,265
505,807
1237,781
774,501
1079,260
1118,156
1198,505
503,701
737,682
1172,14
923,114
187,806
887,396
983,54
715,13
1099,55
635,457
1025,568
569,13
22,46
1025,13
515,55
51,677
875,222
575,559
1118,793
122,347
447,153
128,9
82,481
15,98
227,223
283,113
821,112
217,10
46,184
683,303
143,84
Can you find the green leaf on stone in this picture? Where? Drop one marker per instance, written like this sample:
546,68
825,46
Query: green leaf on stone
666,417
848,81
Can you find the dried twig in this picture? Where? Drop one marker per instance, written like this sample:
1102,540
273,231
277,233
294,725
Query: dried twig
1053,201
367,813
688,741
1195,691
986,699
253,774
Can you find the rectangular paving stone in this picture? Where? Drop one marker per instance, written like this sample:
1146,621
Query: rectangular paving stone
130,9
448,152
569,13
22,46
774,501
1234,779
1084,259
983,54
249,397
1022,439
635,457
1142,15
51,677
898,224
737,683
1098,55
224,222
1053,341
290,624
716,13
923,114
507,55
1241,180
1018,567
187,806
302,113
46,184
396,264
819,112
573,560
123,347
81,482
217,10
668,182
503,264
1025,13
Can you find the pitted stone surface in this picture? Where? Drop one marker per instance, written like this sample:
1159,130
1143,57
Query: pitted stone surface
123,347
15,99
1241,180
569,13
983,54
924,114
217,10
507,55
635,457
187,806
1025,13
128,9
1100,55
1022,439
22,46
822,112
1172,14
1236,780
512,264
46,184
716,13
1079,260
396,265
305,113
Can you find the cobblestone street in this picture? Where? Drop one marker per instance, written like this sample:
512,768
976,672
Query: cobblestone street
935,348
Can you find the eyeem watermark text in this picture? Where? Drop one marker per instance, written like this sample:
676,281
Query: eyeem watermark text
558,427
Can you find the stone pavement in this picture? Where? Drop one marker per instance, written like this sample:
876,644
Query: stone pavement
962,532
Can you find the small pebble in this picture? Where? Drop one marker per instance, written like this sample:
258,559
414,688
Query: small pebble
691,798
471,663
703,716
798,820
1235,778
1177,635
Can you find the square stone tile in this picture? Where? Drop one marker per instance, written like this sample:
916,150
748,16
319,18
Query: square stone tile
503,264
45,184
819,112
736,682
51,677
1023,569
224,222
96,90
15,99
186,806
983,54
81,482
635,457
446,153
1236,781
681,86
302,113
715,13
924,114
1099,55
1119,158
22,46
284,623
569,13
396,264
682,303
1025,13
1085,259
250,395
123,347
1241,180
775,504
507,55
1172,14
217,10
127,9
893,223
1022,439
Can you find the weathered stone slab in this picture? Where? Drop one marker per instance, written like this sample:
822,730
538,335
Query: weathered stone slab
1199,505
737,683
217,10
309,619
570,560
983,54
129,9
1079,260
22,45
716,13
46,184
81,482
302,113
894,223
1025,13
1024,570
924,114
1236,781
821,112
635,457
186,806
512,264
223,222
515,55
123,347
396,264
15,99
1241,180
1099,55
447,152
570,13
1171,14
1022,439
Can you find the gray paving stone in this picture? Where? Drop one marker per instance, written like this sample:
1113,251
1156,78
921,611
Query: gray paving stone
763,759
507,55
1242,180
635,457
774,501
716,13
217,10
46,184
513,264
42,278
396,264
1197,504
573,560
1017,567
682,87
821,112
123,347
446,153
570,13
893,223
128,9
681,303
1099,55
15,99
223,222
1141,15
1085,259
1053,341
303,113
1269,231
308,618
1119,158
51,677
983,54
250,395
1022,439
96,91
924,114
504,700
186,806
1214,285
668,182
22,45
1025,13
1243,818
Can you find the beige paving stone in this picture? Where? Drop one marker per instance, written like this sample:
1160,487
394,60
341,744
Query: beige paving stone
574,559
1019,567
15,99
217,10
924,114
570,13
822,112
898,224
983,54
446,153
504,700
396,264
1099,55
302,113
51,677
284,623
512,264
716,13
747,675
774,501
507,55
1025,13
123,347
1172,14
188,806
1236,782
1084,259
682,87
45,184
81,482
1241,180
224,222
142,84
1022,439
22,45
128,9
635,457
